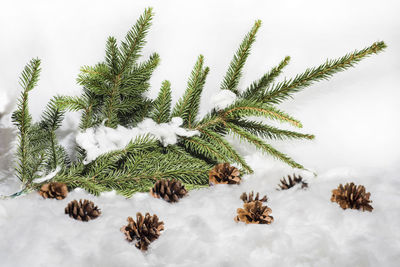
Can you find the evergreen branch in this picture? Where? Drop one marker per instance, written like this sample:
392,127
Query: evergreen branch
52,118
264,147
135,169
112,55
22,119
188,104
258,87
110,109
266,131
135,40
284,90
134,83
197,146
30,75
72,103
162,105
232,77
98,79
225,148
245,108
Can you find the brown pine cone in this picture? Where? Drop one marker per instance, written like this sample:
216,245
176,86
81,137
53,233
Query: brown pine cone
83,210
292,182
254,213
54,190
249,198
169,190
352,197
224,173
144,231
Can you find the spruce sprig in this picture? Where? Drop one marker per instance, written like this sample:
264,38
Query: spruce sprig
162,105
232,77
284,90
38,150
23,120
113,94
259,100
113,90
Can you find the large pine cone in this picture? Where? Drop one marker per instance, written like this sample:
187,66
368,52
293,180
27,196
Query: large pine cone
292,182
254,212
145,230
352,197
169,190
251,198
83,210
54,190
224,173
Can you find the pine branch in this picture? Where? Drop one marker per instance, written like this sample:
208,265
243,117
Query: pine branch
98,79
162,105
245,108
113,91
232,77
135,169
202,149
72,103
266,131
225,148
258,87
22,119
187,107
284,90
135,40
52,118
112,55
135,83
264,147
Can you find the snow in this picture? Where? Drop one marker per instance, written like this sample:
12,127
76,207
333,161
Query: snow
223,99
308,229
102,139
48,176
355,118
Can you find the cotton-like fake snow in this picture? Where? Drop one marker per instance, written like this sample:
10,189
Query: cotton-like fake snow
308,230
102,139
223,99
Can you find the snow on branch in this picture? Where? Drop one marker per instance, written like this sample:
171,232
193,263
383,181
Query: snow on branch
223,99
100,140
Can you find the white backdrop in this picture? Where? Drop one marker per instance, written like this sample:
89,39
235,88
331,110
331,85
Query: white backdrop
355,116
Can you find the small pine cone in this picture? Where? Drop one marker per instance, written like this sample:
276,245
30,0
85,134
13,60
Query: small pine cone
292,182
54,190
224,173
352,197
169,190
83,210
251,198
254,213
144,231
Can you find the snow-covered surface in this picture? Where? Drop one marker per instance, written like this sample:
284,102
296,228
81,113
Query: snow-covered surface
308,229
102,139
223,99
355,118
